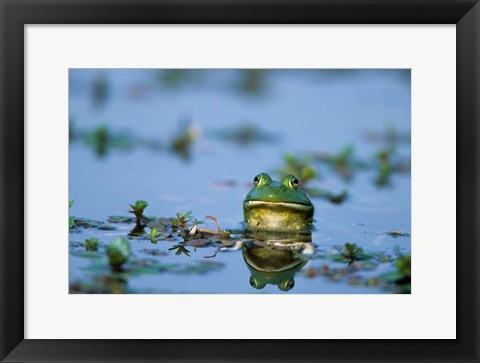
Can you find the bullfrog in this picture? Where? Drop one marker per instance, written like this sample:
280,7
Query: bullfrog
273,265
281,206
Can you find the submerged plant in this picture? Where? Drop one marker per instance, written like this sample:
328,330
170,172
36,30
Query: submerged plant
118,252
91,244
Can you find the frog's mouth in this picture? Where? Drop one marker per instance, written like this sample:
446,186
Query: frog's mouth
281,216
278,205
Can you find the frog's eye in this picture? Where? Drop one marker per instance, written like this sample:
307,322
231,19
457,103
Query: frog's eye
286,285
256,283
293,182
261,179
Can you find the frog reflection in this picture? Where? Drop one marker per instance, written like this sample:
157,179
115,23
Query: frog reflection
275,259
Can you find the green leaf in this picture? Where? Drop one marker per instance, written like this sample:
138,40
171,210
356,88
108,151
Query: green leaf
118,251
91,244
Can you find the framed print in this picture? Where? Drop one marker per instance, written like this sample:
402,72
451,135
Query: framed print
239,181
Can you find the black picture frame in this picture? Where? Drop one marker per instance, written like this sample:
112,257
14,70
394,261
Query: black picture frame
15,14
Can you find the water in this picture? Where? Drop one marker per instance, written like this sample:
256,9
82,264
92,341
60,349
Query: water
302,112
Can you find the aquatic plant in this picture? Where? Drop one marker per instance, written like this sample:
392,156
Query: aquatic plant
154,235
390,136
404,266
384,168
137,209
181,143
342,162
335,198
301,167
71,221
91,244
179,78
246,134
180,249
252,81
118,252
220,231
100,90
395,233
182,221
402,276
349,253
102,140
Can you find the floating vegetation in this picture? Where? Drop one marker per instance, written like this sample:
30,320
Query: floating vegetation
397,281
102,284
154,235
118,252
181,144
175,79
102,140
100,91
71,221
180,249
120,219
187,225
385,168
90,223
349,254
87,254
335,198
137,209
153,252
395,233
91,244
246,134
252,81
301,167
343,162
388,162
402,277
391,136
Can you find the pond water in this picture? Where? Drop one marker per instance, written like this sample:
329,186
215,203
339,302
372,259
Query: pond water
193,140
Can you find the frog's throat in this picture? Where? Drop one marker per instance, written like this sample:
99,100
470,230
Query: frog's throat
281,216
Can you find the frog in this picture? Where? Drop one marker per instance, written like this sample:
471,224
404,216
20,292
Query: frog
271,265
277,206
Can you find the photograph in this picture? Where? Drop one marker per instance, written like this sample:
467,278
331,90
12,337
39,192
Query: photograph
239,181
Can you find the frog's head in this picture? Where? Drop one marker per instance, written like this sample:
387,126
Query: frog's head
271,266
273,205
